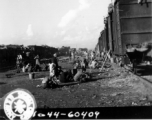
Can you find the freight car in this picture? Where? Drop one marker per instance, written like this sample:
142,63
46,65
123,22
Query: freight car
104,39
128,30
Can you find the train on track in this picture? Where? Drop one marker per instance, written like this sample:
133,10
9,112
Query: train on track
128,31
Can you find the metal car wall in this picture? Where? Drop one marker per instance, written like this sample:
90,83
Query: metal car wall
104,40
129,22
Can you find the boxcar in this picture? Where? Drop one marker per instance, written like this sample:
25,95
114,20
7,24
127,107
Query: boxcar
104,39
101,41
130,28
132,24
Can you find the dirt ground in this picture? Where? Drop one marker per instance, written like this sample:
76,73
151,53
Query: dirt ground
113,87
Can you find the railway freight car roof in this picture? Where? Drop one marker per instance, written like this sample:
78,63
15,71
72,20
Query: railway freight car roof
130,1
110,8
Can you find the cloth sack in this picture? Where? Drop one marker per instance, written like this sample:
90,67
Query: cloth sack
77,76
44,83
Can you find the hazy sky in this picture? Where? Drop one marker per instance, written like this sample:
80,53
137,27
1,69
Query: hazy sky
75,23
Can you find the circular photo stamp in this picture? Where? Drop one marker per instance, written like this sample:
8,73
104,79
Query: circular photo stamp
19,104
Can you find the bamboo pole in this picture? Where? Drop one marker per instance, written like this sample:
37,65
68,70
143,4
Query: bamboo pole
105,60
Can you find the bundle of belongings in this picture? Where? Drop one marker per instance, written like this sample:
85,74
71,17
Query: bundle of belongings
48,82
64,77
81,76
70,76
27,67
57,76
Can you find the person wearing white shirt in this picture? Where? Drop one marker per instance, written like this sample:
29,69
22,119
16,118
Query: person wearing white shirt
52,68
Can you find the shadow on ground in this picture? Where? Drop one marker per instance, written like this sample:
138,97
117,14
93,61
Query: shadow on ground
144,70
2,83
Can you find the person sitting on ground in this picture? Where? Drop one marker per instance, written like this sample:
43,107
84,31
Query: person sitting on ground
82,76
77,75
66,76
48,82
69,76
93,64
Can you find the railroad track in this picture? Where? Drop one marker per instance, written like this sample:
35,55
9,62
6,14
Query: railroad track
147,83
139,77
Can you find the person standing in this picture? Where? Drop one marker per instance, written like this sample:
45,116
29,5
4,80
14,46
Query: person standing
55,61
18,64
37,62
52,67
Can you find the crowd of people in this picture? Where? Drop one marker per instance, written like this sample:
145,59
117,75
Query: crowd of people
78,73
25,63
56,73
